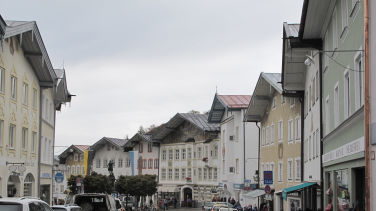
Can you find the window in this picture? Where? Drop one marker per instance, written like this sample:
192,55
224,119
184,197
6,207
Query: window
170,155
267,135
105,163
189,153
237,165
334,29
206,151
344,13
163,174
215,176
199,152
297,128
297,168
272,169
327,115
183,154
144,163
289,169
274,102
98,163
120,163
318,147
35,98
108,147
346,95
216,151
150,147
183,174
163,154
81,157
75,157
24,138
155,163
13,87
189,172
272,131
150,163
210,173
317,86
199,173
176,174
1,80
73,170
280,130
68,169
359,80
177,154
170,174
336,106
290,131
205,173
33,140
292,101
78,170
12,135
280,171
140,147
128,162
25,89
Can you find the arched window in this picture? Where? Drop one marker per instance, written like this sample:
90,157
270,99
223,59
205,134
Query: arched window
28,185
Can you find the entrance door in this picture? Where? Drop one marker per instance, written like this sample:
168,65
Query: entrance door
188,197
359,174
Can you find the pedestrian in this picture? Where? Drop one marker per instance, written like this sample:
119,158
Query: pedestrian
165,204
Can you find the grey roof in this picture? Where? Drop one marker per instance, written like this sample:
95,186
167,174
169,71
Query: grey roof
139,137
33,48
62,93
267,85
292,30
198,120
2,27
118,142
273,79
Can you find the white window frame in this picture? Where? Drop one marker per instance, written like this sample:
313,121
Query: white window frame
272,133
346,94
290,130
359,86
2,79
164,154
280,130
12,135
327,114
274,102
24,138
297,128
33,141
336,104
267,135
163,174
13,87
280,171
290,171
318,145
263,137
25,90
297,169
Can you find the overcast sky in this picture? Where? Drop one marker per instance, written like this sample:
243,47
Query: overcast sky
138,62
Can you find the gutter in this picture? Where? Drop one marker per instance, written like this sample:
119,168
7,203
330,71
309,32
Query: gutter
258,163
301,99
303,18
366,106
321,132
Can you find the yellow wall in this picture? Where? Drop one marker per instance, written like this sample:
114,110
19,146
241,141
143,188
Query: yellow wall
82,163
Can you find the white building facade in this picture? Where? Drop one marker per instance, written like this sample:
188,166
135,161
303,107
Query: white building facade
188,158
238,157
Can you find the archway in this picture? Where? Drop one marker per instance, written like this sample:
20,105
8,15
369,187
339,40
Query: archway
187,196
29,184
13,187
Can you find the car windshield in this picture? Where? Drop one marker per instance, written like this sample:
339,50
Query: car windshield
10,207
91,203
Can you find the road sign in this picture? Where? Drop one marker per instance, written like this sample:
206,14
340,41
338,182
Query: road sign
267,189
268,177
268,197
59,177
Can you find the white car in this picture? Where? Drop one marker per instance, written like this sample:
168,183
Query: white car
23,204
66,208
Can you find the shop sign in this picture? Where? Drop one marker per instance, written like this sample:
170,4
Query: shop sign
268,177
345,150
46,175
238,186
247,184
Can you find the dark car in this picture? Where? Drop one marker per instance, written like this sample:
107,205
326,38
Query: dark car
94,202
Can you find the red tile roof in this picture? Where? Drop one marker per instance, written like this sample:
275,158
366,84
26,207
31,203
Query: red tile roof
82,147
235,101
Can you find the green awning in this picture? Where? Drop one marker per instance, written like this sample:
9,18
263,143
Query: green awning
296,187
255,193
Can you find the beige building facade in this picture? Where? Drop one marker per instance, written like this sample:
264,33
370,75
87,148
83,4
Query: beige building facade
279,119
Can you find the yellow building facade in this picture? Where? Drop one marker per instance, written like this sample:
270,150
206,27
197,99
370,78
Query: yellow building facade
75,159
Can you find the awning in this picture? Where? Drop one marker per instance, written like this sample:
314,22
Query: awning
296,188
255,193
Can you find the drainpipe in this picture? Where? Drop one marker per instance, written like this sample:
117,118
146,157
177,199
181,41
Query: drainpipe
53,143
321,132
258,163
244,160
40,137
366,106
301,100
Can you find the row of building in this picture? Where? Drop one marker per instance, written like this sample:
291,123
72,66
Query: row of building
31,91
303,140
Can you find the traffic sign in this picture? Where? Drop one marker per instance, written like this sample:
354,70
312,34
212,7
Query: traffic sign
59,177
268,197
267,189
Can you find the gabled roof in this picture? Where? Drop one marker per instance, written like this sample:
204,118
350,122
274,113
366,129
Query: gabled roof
117,142
223,102
2,27
62,93
198,120
145,137
34,50
70,150
267,85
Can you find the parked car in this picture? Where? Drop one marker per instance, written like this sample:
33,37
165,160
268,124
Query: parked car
66,208
207,206
23,204
93,202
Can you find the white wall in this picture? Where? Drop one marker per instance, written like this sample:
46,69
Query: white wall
312,150
153,155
